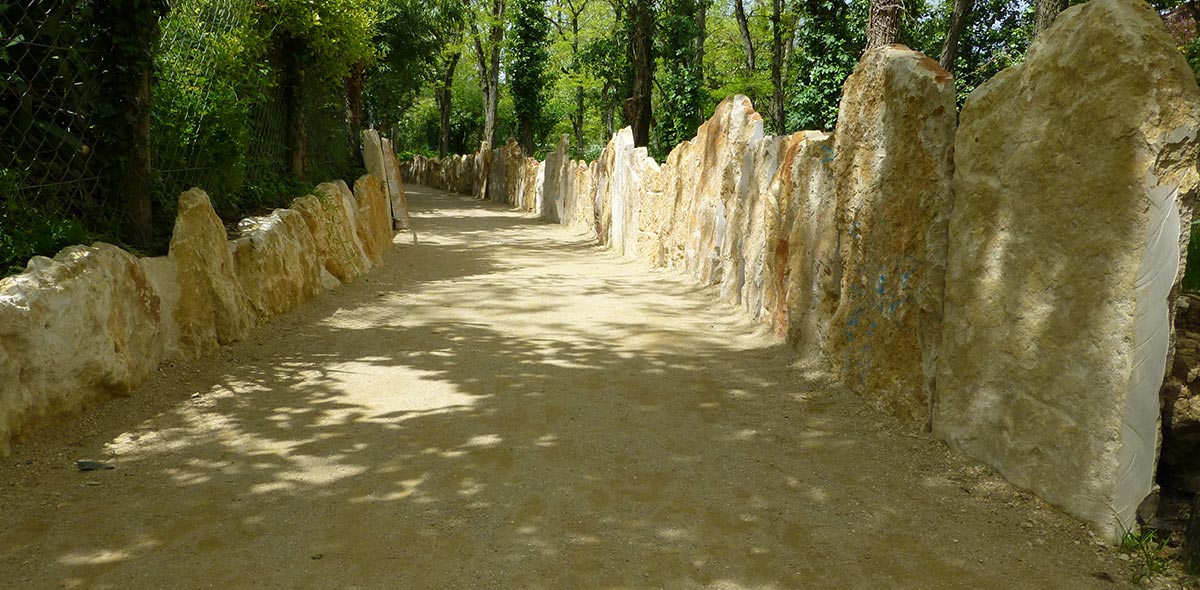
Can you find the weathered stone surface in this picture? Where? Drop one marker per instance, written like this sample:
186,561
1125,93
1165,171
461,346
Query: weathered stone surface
559,183
581,210
212,307
530,184
603,170
398,201
702,186
892,161
480,164
84,325
330,217
277,262
374,221
514,173
752,216
811,254
1074,174
624,192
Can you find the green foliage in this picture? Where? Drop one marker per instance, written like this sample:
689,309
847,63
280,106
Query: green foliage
329,37
27,230
996,36
1191,276
528,57
829,39
410,38
681,84
1147,548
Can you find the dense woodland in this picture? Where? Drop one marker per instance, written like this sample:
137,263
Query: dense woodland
108,110
536,70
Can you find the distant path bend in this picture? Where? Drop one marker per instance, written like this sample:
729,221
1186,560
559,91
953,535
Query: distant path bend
504,405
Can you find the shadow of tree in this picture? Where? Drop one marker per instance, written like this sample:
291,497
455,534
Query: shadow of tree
501,405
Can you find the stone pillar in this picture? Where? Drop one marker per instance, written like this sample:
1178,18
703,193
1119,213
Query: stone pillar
1074,173
892,163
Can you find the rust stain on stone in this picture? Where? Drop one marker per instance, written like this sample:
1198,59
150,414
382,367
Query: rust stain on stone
940,75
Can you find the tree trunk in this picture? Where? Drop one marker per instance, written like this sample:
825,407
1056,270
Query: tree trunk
740,11
354,107
136,183
577,116
489,68
444,97
1045,13
883,24
296,132
778,101
958,21
701,35
637,106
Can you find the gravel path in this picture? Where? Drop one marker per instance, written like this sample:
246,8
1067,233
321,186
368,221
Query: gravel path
503,405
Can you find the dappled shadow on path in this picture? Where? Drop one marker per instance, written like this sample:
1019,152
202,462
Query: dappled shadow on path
503,406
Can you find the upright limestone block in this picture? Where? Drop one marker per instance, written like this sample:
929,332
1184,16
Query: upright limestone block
583,209
82,326
810,258
375,158
277,262
213,308
398,200
1074,174
374,221
892,164
329,217
603,170
558,184
753,216
703,188
625,188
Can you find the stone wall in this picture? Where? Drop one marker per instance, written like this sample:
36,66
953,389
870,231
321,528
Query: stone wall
1008,284
94,321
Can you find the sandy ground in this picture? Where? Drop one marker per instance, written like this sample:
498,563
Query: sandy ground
503,405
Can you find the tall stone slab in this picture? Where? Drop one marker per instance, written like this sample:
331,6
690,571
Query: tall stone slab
213,308
753,219
278,262
558,183
375,158
1074,176
892,161
374,223
603,170
807,266
397,199
706,172
624,189
82,326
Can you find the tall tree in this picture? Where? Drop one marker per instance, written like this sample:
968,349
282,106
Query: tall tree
1045,11
529,56
488,53
682,83
739,11
567,21
444,96
883,24
778,101
958,21
640,23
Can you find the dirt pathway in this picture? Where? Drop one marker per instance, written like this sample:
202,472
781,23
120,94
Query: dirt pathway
502,405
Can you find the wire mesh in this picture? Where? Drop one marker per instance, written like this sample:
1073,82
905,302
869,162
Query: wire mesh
47,133
219,121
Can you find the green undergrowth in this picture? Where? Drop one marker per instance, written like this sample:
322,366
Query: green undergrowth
28,230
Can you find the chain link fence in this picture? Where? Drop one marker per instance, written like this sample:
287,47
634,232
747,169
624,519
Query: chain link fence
219,120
